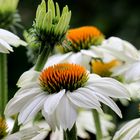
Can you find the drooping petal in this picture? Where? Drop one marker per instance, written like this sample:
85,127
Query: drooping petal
5,47
52,120
91,53
24,134
75,58
92,77
52,101
11,38
109,102
66,113
30,87
129,131
59,58
16,103
84,98
28,77
110,87
31,108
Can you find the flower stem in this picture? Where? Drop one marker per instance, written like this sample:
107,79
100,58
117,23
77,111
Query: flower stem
42,58
3,83
70,135
97,125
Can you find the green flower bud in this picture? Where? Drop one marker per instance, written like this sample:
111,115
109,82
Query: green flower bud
50,26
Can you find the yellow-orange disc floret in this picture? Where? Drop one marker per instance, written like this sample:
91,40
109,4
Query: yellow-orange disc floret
3,128
84,37
63,76
103,69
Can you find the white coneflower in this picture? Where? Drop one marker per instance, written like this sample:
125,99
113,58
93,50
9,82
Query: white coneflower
80,50
60,91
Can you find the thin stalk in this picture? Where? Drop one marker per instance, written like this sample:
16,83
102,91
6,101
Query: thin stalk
70,135
3,83
42,58
99,135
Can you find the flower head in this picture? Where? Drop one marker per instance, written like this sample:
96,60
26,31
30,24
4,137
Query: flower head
3,128
80,50
84,37
8,13
49,27
6,39
63,76
59,106
103,68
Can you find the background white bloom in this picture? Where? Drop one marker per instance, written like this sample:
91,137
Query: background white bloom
85,123
6,39
130,131
31,133
120,49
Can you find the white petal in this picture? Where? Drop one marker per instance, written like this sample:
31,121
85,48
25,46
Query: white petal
59,58
133,73
129,130
5,47
41,136
84,98
110,87
109,102
17,102
27,77
25,134
120,49
11,38
31,108
132,133
92,77
52,120
52,101
30,87
91,53
66,113
75,58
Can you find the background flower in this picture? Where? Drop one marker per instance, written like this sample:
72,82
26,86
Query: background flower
6,39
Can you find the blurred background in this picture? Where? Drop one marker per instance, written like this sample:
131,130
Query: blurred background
119,18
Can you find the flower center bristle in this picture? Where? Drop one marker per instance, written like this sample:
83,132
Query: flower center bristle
84,37
63,76
103,69
3,128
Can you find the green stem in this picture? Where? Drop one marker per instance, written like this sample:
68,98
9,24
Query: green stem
97,125
42,58
3,83
70,135
16,127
